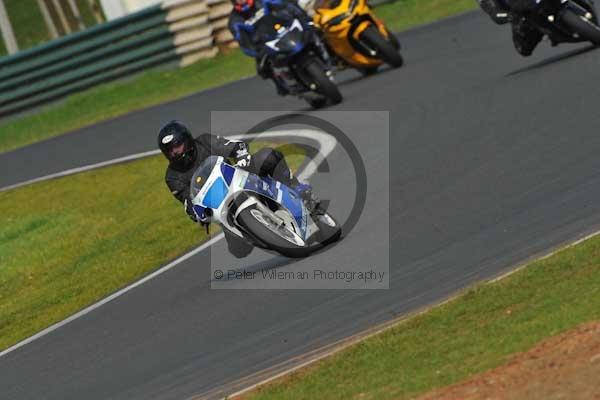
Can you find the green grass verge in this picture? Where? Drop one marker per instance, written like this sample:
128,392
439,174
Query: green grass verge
475,332
154,87
68,242
113,99
404,14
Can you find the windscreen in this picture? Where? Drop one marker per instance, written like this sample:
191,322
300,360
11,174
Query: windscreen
266,27
201,175
327,4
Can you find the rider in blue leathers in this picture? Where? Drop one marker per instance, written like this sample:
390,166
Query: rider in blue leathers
246,12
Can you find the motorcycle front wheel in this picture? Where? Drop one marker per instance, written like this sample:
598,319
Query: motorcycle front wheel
582,26
323,85
266,229
384,48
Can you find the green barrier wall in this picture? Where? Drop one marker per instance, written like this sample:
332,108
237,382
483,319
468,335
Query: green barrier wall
102,53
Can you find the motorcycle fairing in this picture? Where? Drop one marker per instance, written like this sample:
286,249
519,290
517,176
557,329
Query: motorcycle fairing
225,181
216,194
289,40
227,171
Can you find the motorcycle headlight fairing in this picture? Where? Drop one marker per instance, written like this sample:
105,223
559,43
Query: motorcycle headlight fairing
338,19
288,40
345,15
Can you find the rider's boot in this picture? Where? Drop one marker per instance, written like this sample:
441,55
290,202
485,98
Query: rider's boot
496,10
281,89
312,202
525,37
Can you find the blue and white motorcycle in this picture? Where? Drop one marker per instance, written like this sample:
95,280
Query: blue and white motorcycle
261,210
300,60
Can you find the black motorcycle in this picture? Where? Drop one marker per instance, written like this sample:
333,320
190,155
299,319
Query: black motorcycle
565,20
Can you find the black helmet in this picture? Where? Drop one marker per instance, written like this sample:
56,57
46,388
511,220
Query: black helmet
177,144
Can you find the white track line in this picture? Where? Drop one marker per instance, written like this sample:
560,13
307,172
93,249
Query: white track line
342,344
73,171
326,145
113,296
325,142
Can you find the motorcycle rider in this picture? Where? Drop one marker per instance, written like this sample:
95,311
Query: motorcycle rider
185,154
246,12
525,36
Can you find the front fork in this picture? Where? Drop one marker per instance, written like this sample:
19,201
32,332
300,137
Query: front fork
362,24
323,52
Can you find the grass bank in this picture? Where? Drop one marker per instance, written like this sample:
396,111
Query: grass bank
404,14
114,99
154,87
68,242
475,332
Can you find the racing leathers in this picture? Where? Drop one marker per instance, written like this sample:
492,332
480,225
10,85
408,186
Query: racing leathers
525,36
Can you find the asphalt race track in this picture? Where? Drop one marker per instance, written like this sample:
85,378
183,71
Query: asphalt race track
493,160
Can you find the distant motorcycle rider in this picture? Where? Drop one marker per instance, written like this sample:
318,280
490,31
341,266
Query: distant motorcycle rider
525,36
246,12
185,154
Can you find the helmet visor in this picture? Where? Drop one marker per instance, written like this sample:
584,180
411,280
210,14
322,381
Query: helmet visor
176,151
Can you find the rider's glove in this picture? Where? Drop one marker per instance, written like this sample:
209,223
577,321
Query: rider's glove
203,219
202,214
189,210
243,161
242,157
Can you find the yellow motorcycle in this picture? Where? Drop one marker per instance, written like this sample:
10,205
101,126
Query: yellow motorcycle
356,35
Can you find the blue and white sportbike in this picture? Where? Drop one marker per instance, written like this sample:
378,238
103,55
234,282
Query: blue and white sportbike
299,58
564,20
261,210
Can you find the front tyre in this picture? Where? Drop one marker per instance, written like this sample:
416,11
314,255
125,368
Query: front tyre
384,48
323,85
368,71
586,28
265,228
317,103
393,40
